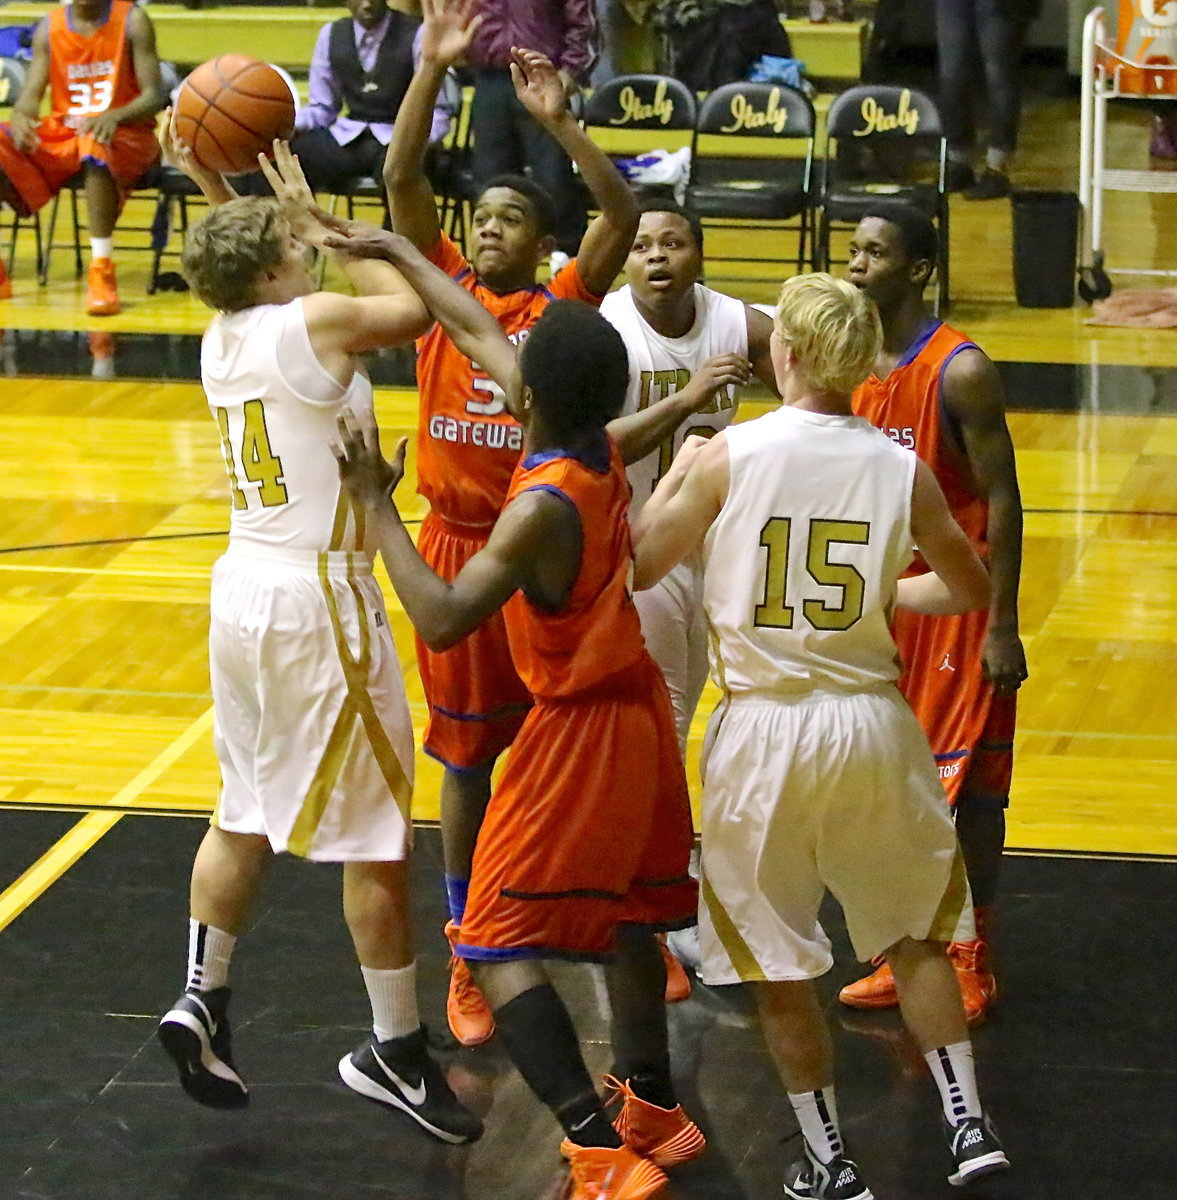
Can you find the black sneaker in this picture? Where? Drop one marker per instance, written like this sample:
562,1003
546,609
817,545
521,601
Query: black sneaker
990,185
196,1036
808,1179
400,1073
976,1152
958,176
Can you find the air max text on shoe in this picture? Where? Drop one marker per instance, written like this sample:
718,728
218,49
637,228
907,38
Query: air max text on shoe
976,1150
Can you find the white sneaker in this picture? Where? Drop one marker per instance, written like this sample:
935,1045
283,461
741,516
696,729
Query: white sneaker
684,945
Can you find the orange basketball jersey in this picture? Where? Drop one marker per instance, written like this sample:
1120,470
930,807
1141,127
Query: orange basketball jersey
467,443
89,73
944,681
597,633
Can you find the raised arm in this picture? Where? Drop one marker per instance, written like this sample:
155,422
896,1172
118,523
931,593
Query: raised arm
606,244
471,327
215,188
972,393
958,581
641,433
534,546
676,518
26,112
446,30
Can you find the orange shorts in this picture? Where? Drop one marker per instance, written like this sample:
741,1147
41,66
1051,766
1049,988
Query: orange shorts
970,730
588,828
40,174
476,699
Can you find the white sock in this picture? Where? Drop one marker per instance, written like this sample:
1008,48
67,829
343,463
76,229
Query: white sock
997,160
101,247
956,1077
209,952
817,1114
394,1001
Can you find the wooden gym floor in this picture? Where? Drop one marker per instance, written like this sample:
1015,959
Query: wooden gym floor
114,510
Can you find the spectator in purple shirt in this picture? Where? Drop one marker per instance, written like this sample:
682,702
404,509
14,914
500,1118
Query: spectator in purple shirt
359,73
506,139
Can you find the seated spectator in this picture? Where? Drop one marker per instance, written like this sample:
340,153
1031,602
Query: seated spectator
360,70
98,59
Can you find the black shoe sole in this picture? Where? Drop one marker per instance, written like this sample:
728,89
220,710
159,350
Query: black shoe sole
186,1048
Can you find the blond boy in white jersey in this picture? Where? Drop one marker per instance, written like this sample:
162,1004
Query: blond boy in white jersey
805,519
312,727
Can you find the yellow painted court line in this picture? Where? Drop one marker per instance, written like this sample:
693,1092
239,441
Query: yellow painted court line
90,829
127,572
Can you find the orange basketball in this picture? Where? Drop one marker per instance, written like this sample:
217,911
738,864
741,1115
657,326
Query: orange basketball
230,109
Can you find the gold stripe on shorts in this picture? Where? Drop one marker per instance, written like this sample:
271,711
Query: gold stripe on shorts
952,903
358,708
748,969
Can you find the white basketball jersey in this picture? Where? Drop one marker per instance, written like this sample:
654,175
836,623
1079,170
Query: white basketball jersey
275,405
660,366
800,567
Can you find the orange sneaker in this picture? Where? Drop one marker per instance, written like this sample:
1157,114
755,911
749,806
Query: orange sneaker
978,987
678,984
471,1020
102,298
600,1173
5,283
873,991
666,1136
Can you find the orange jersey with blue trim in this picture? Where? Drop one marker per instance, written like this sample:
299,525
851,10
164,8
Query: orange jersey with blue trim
908,407
597,633
943,677
90,73
468,445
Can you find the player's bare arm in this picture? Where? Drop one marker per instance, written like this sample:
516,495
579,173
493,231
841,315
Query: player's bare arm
606,243
676,518
446,30
641,433
958,581
972,394
759,351
535,546
145,61
26,112
473,330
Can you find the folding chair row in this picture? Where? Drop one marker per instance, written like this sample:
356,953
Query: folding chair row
754,156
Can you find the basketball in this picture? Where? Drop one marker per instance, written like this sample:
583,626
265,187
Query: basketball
230,109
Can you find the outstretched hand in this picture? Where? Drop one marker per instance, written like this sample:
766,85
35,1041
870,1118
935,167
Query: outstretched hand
447,27
538,84
367,476
361,239
293,193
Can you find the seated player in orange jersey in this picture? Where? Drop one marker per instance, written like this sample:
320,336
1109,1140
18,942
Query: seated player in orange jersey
584,849
98,59
468,443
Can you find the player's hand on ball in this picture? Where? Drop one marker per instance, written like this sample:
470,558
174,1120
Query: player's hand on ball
368,477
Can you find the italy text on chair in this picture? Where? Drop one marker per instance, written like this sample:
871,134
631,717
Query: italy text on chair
752,166
883,143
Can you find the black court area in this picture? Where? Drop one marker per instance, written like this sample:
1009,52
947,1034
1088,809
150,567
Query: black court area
1078,1062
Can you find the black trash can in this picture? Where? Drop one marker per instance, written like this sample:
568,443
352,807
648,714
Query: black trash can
1046,248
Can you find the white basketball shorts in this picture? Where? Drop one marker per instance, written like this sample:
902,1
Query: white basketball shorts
833,791
675,628
312,726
